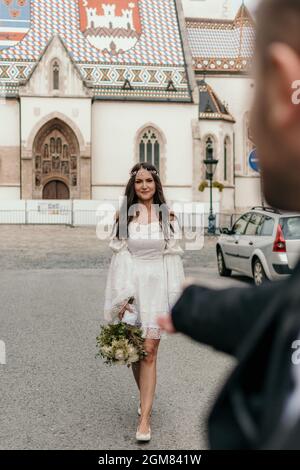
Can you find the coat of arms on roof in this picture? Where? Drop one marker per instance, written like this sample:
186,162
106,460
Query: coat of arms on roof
14,21
112,26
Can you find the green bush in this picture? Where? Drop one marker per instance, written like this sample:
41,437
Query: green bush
216,184
202,186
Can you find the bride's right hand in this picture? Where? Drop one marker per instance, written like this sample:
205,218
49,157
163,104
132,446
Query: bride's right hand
127,306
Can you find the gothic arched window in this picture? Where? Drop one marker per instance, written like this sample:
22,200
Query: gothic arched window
226,159
209,148
55,71
52,145
249,144
58,145
149,147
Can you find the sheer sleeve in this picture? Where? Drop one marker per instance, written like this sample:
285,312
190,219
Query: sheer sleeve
173,264
119,284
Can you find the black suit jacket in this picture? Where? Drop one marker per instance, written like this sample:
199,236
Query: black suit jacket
257,325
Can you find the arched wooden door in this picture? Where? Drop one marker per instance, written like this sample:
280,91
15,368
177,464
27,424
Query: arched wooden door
56,151
56,189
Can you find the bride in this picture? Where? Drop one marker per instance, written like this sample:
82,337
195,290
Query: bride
146,264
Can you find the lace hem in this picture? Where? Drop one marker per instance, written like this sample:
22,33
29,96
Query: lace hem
150,332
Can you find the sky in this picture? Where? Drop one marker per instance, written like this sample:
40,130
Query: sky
249,3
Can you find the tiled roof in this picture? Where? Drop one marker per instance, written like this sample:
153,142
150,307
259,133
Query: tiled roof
155,59
210,106
222,45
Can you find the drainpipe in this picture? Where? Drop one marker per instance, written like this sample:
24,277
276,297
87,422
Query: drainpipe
72,212
20,132
234,162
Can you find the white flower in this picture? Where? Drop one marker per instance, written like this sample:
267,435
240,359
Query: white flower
133,358
131,350
119,355
106,350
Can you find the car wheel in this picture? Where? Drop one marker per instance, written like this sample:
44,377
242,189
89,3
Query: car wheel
223,271
259,273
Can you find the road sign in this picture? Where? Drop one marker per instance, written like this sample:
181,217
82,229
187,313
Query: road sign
253,161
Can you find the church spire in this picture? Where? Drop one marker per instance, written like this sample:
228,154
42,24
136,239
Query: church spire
243,15
242,20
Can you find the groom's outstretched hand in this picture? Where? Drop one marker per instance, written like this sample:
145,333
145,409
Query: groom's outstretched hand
165,323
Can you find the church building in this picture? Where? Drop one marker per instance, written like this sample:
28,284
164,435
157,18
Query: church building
88,88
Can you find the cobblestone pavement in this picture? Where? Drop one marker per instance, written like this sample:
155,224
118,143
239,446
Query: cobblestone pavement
55,393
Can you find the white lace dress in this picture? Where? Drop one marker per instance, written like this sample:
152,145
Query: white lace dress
149,268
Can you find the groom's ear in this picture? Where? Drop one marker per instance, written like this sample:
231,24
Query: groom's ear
285,70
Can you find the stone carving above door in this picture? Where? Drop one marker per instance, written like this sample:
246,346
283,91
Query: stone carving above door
56,155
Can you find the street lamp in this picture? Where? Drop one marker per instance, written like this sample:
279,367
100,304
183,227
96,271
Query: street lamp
211,165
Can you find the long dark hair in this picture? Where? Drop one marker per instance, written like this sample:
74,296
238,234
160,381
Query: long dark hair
162,210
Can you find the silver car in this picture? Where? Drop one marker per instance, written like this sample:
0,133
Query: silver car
263,244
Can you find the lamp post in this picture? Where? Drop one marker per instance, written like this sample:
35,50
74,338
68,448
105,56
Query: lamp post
211,165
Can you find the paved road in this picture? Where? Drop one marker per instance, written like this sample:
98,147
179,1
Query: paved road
54,392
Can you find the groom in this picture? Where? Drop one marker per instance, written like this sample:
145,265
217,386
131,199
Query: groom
259,406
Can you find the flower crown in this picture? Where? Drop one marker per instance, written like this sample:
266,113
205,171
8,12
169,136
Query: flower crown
155,172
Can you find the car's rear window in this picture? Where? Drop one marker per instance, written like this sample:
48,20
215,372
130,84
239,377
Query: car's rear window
290,227
267,227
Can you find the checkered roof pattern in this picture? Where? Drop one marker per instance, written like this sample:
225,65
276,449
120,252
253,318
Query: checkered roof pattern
220,45
156,59
159,44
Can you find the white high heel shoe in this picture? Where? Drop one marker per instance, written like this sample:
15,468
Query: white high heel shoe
144,437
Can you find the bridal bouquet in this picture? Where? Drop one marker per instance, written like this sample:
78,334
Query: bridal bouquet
121,343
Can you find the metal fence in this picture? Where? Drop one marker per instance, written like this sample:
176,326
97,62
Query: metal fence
49,212
62,217
227,220
81,217
9,216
